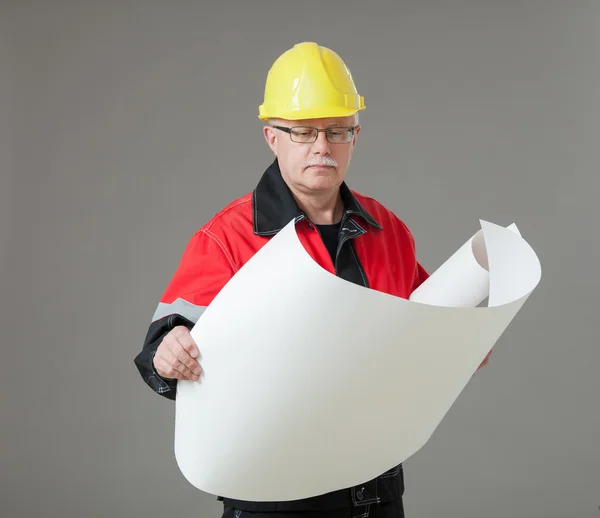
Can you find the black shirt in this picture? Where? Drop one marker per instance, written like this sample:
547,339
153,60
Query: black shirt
329,234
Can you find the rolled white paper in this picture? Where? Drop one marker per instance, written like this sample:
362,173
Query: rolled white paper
313,384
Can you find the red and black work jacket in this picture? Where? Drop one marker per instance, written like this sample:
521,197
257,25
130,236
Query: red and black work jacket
375,250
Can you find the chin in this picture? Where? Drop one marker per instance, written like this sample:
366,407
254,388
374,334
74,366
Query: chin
322,174
323,184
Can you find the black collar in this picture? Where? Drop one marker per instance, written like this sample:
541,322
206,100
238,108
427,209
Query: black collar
274,206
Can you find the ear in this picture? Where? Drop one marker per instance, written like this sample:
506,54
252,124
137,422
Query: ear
354,138
356,132
270,134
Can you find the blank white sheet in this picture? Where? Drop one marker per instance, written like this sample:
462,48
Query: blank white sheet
313,384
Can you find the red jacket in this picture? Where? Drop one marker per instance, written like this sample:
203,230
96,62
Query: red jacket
375,250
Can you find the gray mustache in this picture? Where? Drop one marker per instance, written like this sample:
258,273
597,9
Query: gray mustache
321,161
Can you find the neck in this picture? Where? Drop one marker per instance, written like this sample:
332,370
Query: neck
322,209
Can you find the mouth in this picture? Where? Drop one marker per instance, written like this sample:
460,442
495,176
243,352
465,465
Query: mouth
320,166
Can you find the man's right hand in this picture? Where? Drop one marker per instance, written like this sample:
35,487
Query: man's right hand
176,356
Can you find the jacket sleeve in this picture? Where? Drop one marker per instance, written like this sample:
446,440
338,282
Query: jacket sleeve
421,276
205,267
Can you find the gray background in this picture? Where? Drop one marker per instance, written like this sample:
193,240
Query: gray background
126,125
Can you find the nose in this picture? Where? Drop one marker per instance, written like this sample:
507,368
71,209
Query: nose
321,145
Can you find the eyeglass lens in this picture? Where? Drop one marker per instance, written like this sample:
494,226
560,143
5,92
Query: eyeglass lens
334,135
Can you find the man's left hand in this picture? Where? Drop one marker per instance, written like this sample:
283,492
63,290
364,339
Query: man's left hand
485,361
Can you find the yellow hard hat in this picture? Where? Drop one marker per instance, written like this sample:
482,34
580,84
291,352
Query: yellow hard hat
309,81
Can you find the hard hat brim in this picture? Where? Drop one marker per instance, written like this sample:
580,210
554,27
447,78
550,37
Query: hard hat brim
308,113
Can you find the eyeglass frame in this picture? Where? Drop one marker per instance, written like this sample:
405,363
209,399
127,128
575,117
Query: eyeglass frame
289,132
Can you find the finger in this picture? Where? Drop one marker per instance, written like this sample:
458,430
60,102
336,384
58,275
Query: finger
185,364
181,350
179,370
174,368
184,337
185,359
173,343
164,369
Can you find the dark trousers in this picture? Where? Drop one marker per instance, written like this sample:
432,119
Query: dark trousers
386,510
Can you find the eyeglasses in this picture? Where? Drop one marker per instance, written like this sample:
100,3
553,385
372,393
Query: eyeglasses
307,135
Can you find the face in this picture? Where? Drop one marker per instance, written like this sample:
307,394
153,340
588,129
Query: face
312,167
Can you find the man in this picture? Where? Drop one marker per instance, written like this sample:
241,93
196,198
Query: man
311,108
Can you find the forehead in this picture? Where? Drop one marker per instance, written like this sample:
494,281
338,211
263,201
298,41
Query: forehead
322,123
